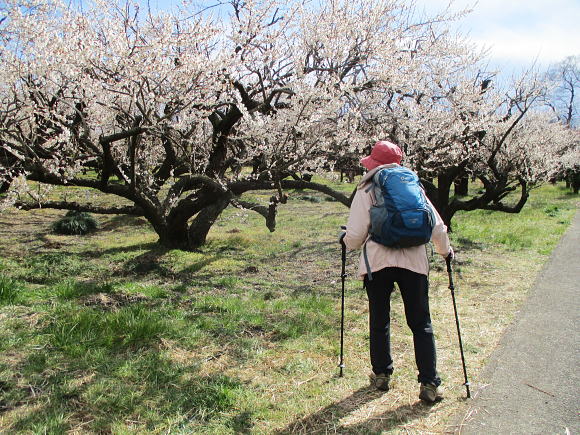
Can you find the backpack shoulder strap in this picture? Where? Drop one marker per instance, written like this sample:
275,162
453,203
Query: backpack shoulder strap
377,188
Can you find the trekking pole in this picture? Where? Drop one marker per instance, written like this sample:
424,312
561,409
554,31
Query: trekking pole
343,278
452,288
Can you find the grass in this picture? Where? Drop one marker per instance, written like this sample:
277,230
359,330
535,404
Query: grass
9,291
549,207
109,333
75,222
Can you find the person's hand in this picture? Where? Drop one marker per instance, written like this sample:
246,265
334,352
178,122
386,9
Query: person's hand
451,255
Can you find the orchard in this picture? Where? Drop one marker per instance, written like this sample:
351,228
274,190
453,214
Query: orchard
182,113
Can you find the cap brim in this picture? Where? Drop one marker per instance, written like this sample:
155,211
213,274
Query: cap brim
369,163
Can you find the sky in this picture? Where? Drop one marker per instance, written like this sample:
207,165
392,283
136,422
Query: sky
519,33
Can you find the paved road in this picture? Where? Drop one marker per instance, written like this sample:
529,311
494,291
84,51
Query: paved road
533,380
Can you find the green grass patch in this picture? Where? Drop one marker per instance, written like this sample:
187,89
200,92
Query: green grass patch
50,267
303,316
75,223
77,330
10,290
537,227
114,334
72,289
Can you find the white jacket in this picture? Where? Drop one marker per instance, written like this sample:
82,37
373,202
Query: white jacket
380,256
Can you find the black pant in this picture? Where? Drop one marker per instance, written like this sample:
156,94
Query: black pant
415,292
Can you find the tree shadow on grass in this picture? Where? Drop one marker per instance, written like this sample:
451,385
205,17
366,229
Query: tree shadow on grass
197,266
146,263
328,419
469,244
389,420
150,247
313,249
121,221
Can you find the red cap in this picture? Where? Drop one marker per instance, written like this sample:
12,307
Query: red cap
383,152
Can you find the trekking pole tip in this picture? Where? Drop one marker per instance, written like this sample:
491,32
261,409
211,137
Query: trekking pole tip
467,384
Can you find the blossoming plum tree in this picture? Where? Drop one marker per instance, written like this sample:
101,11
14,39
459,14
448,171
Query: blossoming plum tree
169,111
502,138
563,100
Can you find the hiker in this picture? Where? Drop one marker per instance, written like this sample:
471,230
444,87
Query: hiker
381,267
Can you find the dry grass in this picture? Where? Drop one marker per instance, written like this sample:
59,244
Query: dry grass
487,302
290,383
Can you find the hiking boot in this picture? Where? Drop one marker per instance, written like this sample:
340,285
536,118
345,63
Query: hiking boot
430,393
380,381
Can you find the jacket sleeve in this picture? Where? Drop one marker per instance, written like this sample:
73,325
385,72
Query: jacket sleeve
439,235
357,227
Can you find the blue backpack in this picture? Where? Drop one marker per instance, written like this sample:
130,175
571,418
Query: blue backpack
401,216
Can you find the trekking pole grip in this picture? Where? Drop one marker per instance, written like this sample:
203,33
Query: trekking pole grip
343,245
448,260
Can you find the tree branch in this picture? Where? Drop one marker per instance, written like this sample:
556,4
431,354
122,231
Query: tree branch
516,208
194,203
491,199
169,163
190,182
122,135
90,208
116,189
269,212
133,144
240,187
